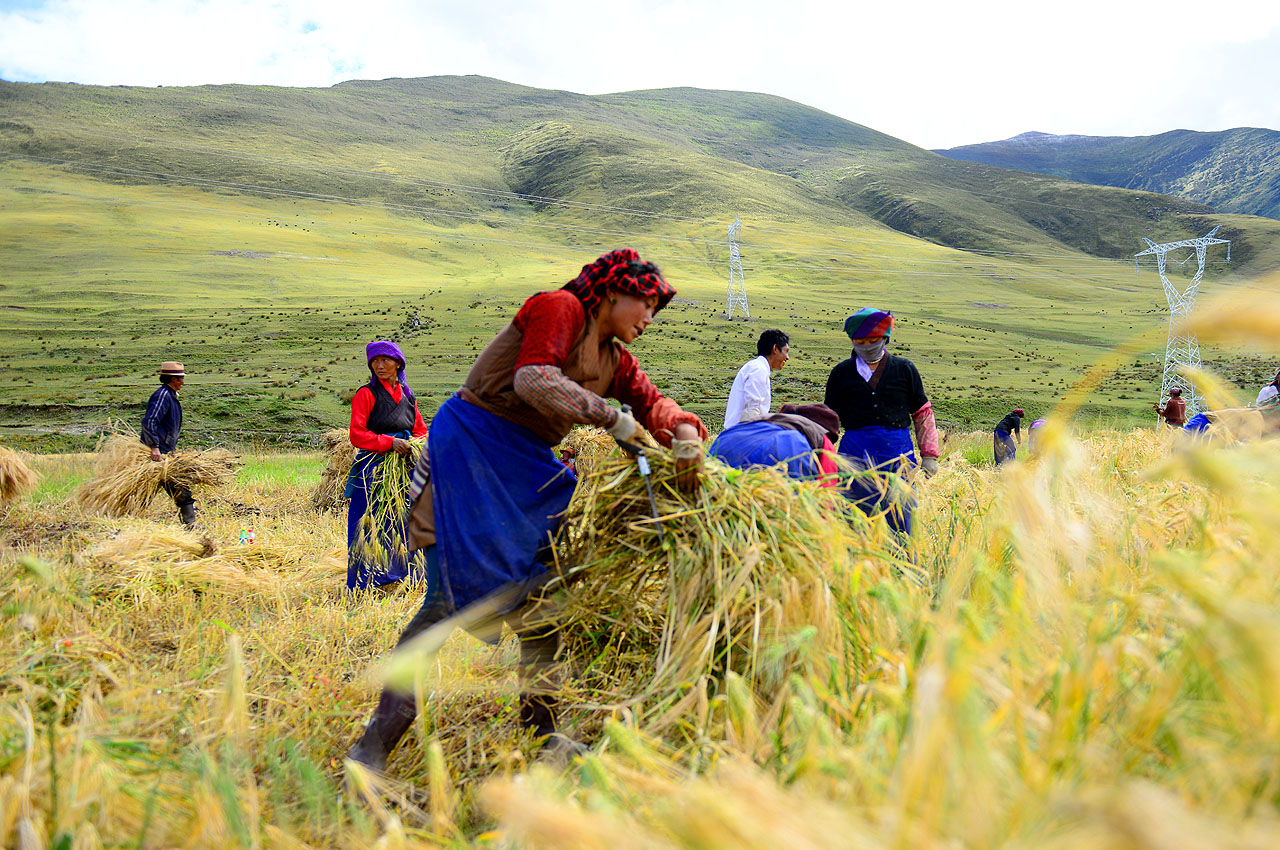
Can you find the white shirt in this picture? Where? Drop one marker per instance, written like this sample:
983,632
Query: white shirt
751,394
865,369
1268,392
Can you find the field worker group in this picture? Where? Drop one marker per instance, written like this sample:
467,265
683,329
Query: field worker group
877,397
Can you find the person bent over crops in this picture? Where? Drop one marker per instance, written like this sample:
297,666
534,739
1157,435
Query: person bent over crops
161,426
799,436
879,398
1003,436
384,416
496,487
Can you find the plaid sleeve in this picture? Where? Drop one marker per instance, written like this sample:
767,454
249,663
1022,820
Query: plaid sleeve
657,413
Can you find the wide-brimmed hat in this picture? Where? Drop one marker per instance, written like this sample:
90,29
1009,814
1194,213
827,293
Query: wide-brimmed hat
173,369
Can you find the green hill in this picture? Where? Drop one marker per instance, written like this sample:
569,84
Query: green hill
1234,171
264,234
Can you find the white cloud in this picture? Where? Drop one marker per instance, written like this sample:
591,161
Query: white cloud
935,74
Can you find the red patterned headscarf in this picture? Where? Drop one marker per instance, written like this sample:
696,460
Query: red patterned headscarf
624,271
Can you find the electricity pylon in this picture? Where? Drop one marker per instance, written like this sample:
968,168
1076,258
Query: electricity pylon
737,280
1183,349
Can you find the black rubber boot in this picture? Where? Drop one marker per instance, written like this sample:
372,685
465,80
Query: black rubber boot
538,712
391,719
188,513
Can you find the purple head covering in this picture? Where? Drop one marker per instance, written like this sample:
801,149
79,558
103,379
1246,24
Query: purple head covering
386,348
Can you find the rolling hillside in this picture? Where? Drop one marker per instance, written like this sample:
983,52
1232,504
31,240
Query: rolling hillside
1233,171
264,234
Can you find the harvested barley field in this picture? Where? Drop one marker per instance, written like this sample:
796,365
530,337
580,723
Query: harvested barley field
1076,651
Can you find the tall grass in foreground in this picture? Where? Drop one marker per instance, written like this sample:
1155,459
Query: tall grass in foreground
1088,661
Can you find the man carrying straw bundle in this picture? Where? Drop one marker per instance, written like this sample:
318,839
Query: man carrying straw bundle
880,398
161,425
384,416
499,490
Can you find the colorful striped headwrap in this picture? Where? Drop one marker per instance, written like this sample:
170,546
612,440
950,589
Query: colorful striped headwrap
624,271
867,322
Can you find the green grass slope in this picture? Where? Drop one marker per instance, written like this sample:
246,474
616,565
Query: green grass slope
263,235
1236,171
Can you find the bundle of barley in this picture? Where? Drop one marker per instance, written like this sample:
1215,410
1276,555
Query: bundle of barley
381,538
127,479
16,477
759,578
590,446
338,454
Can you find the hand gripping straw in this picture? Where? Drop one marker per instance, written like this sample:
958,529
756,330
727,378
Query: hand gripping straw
642,463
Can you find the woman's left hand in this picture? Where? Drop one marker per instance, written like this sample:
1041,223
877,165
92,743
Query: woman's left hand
687,448
400,446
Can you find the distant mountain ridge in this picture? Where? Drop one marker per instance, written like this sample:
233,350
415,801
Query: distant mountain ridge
1233,171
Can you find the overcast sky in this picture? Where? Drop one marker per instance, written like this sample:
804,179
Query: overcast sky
934,74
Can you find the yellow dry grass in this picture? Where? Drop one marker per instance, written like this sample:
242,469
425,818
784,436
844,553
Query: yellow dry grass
16,478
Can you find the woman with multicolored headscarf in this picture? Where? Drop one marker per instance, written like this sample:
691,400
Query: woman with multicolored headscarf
384,416
880,398
497,487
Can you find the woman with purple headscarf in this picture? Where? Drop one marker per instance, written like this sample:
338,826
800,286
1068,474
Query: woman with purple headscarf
384,415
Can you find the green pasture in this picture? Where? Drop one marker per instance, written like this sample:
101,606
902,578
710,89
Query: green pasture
270,302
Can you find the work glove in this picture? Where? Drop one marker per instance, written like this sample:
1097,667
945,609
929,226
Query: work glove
688,455
929,465
625,427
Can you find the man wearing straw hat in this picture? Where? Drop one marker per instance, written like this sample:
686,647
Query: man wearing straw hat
161,425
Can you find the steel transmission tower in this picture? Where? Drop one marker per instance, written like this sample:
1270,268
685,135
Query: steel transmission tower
737,280
1183,350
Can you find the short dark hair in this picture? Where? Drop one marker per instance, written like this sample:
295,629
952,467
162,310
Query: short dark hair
769,340
169,379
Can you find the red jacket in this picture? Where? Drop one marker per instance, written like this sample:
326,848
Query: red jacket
362,406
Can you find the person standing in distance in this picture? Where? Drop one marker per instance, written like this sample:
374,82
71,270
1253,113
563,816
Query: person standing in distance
161,425
751,393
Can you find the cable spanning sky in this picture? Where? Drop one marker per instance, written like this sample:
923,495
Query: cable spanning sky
932,73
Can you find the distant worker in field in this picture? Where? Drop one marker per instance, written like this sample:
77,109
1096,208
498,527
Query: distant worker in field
384,416
751,395
1269,392
1174,412
497,488
1033,436
800,436
880,398
161,425
1007,435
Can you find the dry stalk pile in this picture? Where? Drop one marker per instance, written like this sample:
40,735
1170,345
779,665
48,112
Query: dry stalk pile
759,580
16,477
338,454
127,479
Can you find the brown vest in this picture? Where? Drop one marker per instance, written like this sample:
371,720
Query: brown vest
490,384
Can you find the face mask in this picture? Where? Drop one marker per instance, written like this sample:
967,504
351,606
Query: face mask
870,352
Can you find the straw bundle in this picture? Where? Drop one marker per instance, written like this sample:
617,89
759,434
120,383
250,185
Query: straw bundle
381,537
16,477
590,447
127,479
754,584
338,454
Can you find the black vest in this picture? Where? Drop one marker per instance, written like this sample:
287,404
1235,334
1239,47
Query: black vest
387,417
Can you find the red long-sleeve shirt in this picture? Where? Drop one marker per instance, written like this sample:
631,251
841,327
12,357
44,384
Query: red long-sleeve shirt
362,406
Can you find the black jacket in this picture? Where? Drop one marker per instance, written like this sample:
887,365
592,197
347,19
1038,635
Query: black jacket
899,392
162,422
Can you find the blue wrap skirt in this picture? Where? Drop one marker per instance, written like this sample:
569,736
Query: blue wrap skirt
499,495
875,451
363,568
